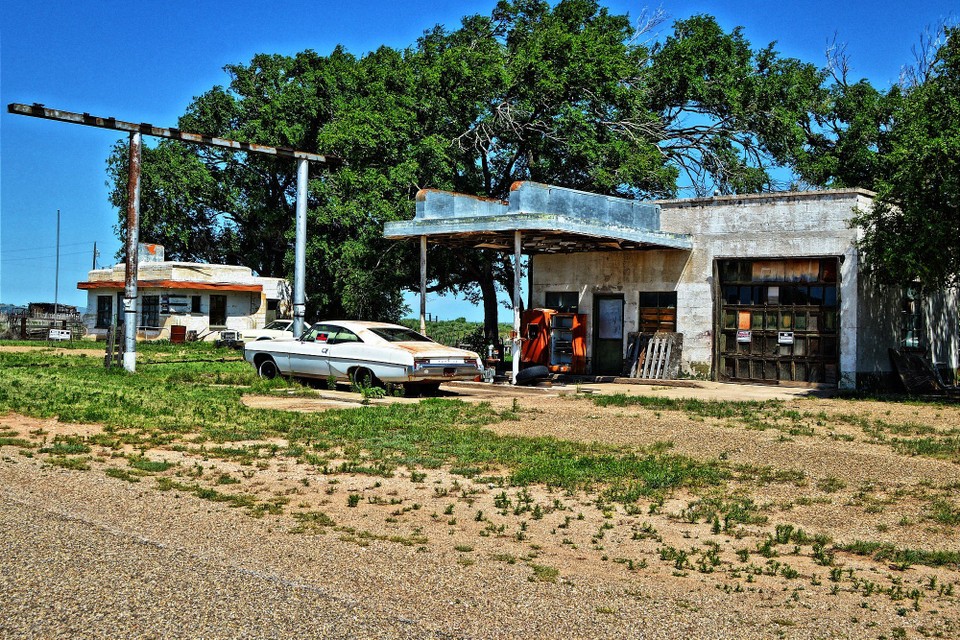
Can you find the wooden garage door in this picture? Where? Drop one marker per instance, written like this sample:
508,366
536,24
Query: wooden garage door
778,321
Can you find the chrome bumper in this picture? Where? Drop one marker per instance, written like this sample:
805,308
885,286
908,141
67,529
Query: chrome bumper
440,372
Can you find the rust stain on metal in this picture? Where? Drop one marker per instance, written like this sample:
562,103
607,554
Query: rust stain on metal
40,111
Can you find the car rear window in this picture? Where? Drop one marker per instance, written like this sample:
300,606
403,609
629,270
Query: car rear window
399,334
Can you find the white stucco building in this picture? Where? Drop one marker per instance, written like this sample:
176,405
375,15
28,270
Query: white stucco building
202,298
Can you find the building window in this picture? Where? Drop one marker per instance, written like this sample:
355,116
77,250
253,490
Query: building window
911,320
104,312
562,301
658,311
218,311
151,312
194,304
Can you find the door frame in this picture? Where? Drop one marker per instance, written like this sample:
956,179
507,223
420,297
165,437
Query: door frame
597,297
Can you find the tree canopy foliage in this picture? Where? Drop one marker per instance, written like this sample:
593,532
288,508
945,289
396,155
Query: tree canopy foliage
912,232
568,94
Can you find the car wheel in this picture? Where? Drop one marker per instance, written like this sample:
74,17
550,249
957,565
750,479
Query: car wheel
364,378
531,375
268,369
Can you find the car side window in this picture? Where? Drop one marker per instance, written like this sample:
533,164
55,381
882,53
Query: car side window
319,333
343,335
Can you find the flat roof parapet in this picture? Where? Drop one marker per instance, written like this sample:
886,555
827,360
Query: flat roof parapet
433,204
534,197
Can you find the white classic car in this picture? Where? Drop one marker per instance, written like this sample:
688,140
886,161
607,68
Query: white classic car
365,353
276,330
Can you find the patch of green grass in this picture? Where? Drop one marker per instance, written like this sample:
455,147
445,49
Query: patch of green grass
66,445
143,463
312,522
543,573
830,484
884,551
80,463
945,512
948,447
6,441
122,474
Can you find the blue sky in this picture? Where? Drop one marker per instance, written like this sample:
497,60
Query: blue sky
145,61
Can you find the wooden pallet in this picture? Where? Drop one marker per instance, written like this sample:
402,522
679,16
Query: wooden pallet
653,356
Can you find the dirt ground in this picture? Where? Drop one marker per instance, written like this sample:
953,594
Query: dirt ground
475,557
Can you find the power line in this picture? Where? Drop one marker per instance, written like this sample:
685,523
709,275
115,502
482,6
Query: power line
63,244
24,259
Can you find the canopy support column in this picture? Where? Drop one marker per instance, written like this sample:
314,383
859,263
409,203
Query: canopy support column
423,285
516,305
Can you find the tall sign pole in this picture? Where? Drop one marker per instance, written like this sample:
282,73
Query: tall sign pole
132,260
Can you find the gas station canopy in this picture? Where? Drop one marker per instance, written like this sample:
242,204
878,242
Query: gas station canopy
550,220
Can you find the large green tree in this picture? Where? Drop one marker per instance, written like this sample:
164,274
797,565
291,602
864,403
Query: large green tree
912,232
567,94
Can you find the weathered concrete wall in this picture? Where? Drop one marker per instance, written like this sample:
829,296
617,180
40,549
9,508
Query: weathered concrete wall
943,328
811,224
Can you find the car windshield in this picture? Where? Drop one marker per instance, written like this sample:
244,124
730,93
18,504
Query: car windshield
399,334
279,325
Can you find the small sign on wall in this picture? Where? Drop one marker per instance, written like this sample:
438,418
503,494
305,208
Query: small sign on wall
785,337
744,336
59,334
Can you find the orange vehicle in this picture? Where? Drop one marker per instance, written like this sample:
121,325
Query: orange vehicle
554,339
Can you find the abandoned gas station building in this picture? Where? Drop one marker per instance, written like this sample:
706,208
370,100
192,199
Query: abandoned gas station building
201,299
764,288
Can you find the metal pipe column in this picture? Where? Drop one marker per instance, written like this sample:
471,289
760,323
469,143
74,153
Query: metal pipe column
300,249
423,285
516,305
132,262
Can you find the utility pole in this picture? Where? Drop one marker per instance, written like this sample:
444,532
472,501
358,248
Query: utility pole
95,254
56,277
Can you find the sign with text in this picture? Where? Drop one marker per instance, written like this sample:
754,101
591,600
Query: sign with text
59,334
785,337
744,336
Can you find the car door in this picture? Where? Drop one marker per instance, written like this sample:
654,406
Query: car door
310,356
345,350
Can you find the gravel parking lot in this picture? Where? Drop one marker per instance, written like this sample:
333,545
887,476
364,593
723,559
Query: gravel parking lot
430,553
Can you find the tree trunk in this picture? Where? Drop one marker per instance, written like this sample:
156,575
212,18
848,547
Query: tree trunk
488,290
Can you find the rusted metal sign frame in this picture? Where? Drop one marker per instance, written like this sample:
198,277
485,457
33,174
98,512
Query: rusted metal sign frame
136,132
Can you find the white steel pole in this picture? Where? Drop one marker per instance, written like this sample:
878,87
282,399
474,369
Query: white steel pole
300,249
516,305
423,285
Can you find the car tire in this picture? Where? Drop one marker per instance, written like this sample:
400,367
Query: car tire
363,377
532,375
267,369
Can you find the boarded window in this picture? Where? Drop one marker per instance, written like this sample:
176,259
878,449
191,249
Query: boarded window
658,311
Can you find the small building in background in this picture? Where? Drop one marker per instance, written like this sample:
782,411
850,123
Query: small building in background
204,299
